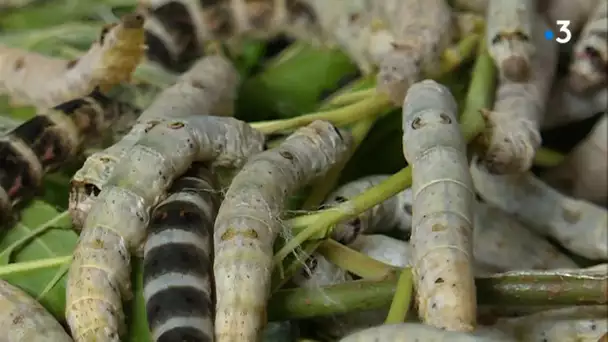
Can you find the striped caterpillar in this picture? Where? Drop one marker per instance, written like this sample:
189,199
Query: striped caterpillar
33,79
500,243
584,173
422,332
582,323
564,106
442,208
401,37
208,87
248,223
48,140
115,226
577,225
509,35
513,124
179,29
178,256
23,319
589,68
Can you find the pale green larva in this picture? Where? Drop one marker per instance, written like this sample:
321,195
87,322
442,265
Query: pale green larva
249,221
513,134
571,324
208,88
99,275
422,332
564,106
509,26
32,79
578,225
500,242
584,173
23,319
590,58
443,203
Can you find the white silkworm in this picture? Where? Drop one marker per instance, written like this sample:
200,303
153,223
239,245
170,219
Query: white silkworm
248,223
571,324
99,274
514,123
500,243
23,319
584,173
442,208
422,332
209,87
589,67
578,225
565,107
33,79
510,39
577,12
395,212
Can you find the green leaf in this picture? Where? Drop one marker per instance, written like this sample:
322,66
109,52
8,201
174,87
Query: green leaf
41,234
293,82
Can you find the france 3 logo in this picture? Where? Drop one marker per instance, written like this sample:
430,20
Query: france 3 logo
565,34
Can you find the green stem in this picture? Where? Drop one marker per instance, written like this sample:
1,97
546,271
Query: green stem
30,266
369,107
454,56
350,209
402,298
292,264
480,94
357,263
548,158
499,290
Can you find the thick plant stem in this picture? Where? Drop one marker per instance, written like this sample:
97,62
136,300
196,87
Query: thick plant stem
501,290
548,158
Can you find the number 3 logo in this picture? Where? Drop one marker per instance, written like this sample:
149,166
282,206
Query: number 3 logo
563,27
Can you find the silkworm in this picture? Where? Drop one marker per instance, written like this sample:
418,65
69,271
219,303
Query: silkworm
33,79
49,140
442,208
578,225
209,87
584,173
577,12
187,25
564,106
589,66
99,274
23,319
578,323
500,242
178,256
248,223
395,212
403,38
514,123
509,35
423,332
